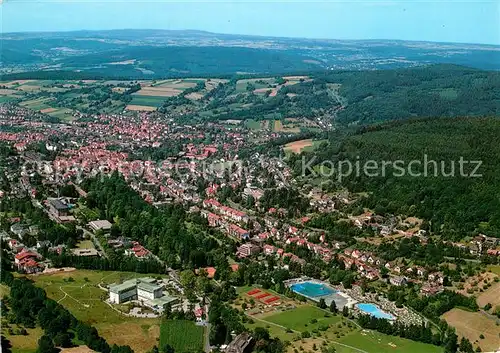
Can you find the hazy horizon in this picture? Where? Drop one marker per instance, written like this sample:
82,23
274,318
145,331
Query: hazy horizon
416,20
247,35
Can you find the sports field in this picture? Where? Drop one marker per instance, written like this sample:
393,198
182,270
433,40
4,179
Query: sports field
304,318
183,336
78,291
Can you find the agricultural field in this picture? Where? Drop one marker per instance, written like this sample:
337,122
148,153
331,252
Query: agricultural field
78,291
152,101
473,324
158,92
143,108
302,145
183,336
490,295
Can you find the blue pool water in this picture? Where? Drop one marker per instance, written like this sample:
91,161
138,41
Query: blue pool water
374,310
311,289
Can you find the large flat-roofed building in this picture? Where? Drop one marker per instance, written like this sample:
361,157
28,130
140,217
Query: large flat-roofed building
119,293
144,289
101,224
58,208
148,291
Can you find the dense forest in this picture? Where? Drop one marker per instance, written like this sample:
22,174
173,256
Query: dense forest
434,91
453,205
169,231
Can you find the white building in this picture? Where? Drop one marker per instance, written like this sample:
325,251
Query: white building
135,289
148,291
119,293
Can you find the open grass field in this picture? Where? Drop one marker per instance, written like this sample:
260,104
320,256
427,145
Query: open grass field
253,124
183,336
24,344
4,290
341,333
61,113
85,244
152,101
84,299
5,99
374,342
472,325
494,268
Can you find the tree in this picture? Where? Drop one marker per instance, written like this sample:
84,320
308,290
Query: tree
333,307
45,345
345,311
62,339
465,346
167,349
322,303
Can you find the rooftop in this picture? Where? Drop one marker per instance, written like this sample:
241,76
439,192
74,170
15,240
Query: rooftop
123,287
148,287
58,204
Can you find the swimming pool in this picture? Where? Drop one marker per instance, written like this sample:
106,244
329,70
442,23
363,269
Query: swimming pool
373,310
312,289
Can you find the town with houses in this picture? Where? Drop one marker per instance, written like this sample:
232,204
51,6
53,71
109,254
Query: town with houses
259,215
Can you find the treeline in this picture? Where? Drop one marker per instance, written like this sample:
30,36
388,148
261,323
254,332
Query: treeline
419,333
433,306
30,307
118,263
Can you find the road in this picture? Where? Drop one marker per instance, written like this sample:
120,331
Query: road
207,338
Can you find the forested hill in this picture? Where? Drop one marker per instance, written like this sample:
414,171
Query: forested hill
434,91
457,206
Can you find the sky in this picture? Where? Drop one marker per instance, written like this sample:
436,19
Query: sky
472,21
